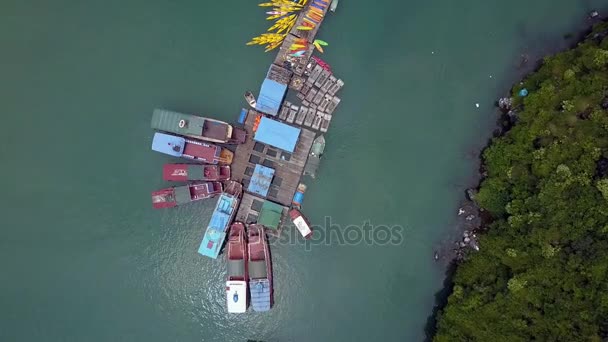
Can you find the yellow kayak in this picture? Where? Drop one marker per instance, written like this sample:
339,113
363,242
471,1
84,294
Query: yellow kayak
318,47
304,28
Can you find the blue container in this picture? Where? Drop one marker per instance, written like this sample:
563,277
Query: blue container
242,116
298,198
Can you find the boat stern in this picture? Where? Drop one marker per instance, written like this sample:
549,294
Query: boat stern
212,243
164,198
236,296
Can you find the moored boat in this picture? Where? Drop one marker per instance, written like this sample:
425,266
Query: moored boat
250,99
301,223
259,269
172,197
222,216
334,5
196,127
314,157
177,146
236,282
298,197
195,172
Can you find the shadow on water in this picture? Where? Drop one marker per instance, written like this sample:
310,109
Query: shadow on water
530,61
441,300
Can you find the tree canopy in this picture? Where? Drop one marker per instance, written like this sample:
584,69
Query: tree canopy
542,271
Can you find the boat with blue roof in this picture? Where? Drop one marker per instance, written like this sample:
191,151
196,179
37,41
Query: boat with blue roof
181,147
222,216
259,268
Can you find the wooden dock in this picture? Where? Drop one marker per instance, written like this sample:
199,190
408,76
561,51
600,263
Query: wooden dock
296,64
249,211
288,166
303,17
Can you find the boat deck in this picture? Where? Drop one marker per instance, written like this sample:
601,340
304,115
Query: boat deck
205,190
202,151
288,166
215,130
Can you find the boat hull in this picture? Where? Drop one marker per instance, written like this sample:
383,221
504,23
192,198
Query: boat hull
172,197
237,277
224,212
301,223
260,269
195,172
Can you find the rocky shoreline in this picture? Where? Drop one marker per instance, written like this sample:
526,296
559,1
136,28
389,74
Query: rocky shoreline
471,219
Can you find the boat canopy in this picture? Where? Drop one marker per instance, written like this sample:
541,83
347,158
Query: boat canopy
220,219
196,171
270,215
174,122
277,134
260,180
236,268
182,194
168,144
260,294
257,269
236,296
212,243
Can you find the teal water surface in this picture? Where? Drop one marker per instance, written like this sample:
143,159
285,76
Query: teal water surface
85,258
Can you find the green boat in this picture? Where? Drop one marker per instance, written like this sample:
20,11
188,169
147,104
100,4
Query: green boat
314,157
196,127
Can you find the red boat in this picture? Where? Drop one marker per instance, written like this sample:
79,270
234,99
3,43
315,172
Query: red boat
172,197
259,269
195,172
301,223
236,283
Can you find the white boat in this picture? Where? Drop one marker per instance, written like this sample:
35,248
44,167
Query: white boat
333,6
250,99
300,222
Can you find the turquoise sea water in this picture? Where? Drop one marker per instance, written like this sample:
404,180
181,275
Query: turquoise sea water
85,258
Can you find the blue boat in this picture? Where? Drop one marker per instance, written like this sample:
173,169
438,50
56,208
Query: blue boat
259,269
222,216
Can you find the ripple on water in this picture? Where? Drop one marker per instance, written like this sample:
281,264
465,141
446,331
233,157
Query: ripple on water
194,284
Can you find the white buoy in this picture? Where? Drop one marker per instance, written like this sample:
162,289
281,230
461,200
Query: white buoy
477,105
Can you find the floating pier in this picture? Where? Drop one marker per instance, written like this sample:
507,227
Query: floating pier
279,133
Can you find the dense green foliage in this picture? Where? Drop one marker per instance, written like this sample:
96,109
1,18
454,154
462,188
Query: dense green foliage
542,271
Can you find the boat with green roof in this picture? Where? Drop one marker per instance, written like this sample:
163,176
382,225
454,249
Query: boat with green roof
196,127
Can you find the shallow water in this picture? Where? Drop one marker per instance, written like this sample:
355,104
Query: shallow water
84,256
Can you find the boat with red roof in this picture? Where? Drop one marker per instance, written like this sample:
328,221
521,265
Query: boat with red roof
236,282
177,146
301,223
172,197
195,172
259,269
